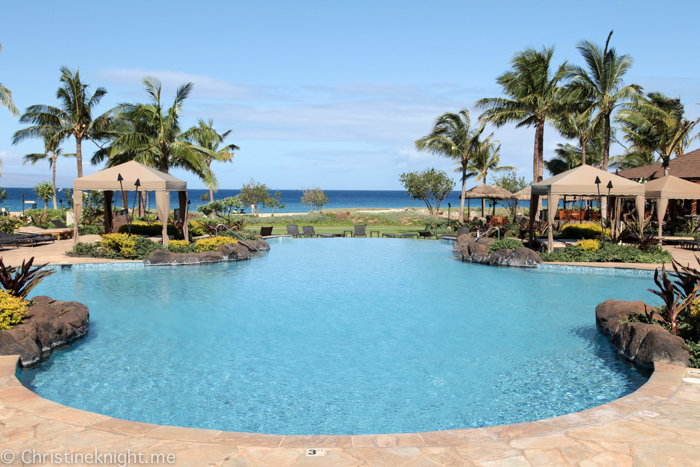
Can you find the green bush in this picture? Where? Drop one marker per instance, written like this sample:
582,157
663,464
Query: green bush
505,244
91,230
584,231
51,213
8,224
610,254
85,249
151,230
181,246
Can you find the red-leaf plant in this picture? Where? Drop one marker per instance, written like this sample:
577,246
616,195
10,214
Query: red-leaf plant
674,303
20,281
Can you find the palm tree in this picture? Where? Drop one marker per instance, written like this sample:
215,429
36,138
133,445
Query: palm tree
533,98
206,136
602,84
580,125
148,134
568,156
632,158
52,152
486,159
453,137
6,98
656,125
72,118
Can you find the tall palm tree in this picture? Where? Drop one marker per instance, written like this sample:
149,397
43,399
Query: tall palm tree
602,84
580,125
72,118
454,138
633,158
6,98
485,160
532,91
657,125
206,136
151,135
568,156
52,151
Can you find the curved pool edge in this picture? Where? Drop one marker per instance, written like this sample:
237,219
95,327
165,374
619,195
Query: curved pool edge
614,432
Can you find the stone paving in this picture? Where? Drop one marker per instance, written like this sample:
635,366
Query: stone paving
658,425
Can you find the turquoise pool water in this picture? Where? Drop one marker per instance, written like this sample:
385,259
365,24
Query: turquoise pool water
338,336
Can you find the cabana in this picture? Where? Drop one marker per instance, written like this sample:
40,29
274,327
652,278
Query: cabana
149,179
581,182
484,191
669,188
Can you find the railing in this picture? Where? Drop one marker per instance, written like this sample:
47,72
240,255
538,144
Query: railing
216,231
485,234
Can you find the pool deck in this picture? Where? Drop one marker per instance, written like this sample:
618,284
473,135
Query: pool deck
658,425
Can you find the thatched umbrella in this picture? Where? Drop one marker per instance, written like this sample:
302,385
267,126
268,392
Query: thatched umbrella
486,191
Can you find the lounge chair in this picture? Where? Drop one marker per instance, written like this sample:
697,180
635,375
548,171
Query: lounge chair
360,231
58,233
390,235
309,231
28,239
425,234
59,224
265,231
293,230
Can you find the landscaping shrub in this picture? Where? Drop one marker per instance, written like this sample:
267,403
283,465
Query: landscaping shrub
20,281
145,247
12,310
611,253
84,249
590,246
506,243
210,244
8,224
180,246
584,231
91,229
119,244
150,230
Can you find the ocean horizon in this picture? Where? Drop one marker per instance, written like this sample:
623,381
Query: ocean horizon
337,199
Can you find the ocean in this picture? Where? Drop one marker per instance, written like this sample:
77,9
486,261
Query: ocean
338,199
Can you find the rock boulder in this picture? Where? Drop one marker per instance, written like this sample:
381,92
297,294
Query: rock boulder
640,343
228,252
48,326
476,251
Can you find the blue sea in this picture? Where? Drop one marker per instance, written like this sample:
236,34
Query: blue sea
338,199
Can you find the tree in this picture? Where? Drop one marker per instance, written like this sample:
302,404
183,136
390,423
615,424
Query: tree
6,98
487,159
657,125
227,206
453,137
44,190
255,193
567,156
579,125
511,182
431,186
206,136
148,134
602,84
72,118
52,152
533,98
275,203
633,158
314,197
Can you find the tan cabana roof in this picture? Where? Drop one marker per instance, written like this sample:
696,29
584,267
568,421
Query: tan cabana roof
150,179
487,191
524,194
581,182
685,166
671,187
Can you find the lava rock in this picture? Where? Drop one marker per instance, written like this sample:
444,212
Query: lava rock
640,343
476,251
49,325
223,253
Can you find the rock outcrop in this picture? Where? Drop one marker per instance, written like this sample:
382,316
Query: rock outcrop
476,251
48,326
223,253
640,343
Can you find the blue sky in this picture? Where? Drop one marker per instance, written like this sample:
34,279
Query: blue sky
323,93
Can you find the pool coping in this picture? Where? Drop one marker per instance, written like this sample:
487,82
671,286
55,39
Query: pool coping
656,402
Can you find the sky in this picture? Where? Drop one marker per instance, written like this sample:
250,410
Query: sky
331,94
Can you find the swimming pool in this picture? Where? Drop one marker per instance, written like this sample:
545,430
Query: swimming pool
338,336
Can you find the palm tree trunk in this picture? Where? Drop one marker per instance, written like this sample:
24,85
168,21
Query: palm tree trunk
464,190
211,195
538,162
583,151
483,203
79,155
606,143
53,166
